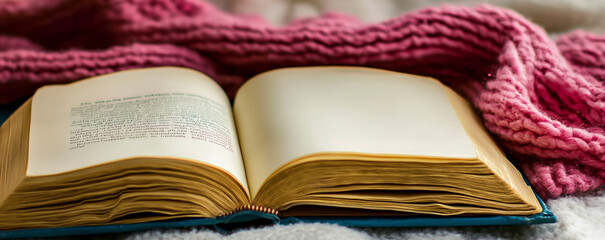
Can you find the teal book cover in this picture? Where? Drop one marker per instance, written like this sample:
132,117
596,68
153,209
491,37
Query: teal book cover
249,218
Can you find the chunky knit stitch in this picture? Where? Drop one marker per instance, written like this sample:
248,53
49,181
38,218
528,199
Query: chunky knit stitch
544,101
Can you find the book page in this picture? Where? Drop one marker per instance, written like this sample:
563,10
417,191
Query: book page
168,111
488,151
285,114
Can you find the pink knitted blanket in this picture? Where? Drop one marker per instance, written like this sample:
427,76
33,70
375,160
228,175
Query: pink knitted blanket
544,100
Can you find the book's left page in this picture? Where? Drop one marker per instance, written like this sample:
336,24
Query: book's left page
133,113
128,147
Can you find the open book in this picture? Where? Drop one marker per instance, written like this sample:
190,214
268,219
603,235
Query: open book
164,143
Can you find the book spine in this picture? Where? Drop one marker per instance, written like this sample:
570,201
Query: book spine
254,208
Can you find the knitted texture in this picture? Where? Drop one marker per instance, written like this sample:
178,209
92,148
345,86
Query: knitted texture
543,100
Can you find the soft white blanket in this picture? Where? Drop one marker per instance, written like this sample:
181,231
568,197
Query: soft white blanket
580,217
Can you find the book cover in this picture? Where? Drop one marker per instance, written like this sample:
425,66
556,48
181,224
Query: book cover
249,217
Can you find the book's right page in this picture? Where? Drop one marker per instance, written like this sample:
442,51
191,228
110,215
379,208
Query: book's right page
488,151
376,112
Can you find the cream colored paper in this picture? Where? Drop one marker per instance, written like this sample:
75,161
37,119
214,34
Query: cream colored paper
52,149
285,114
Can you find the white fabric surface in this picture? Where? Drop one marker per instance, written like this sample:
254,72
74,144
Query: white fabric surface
580,217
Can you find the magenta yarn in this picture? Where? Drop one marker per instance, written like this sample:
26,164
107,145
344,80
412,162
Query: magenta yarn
544,101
